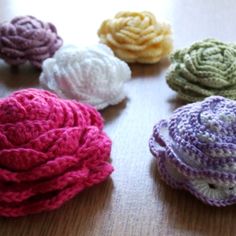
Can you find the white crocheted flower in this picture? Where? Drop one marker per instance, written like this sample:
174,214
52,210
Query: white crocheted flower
89,74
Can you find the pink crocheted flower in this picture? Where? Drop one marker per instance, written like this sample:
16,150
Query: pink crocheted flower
28,39
50,150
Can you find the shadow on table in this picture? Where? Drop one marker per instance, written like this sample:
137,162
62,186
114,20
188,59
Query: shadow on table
110,113
14,78
176,102
187,214
148,70
76,217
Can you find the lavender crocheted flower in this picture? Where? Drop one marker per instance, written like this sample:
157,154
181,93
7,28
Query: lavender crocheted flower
28,39
196,150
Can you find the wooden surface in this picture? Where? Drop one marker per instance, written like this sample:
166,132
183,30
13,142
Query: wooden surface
134,201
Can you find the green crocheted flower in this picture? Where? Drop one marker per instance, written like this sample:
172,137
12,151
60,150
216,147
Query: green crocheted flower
204,69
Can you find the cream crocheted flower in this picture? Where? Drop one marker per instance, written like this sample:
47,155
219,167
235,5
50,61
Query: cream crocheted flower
137,37
91,75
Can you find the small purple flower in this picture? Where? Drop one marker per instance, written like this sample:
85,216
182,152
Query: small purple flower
196,150
28,39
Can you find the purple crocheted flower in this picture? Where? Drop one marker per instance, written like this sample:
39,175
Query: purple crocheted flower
196,150
28,39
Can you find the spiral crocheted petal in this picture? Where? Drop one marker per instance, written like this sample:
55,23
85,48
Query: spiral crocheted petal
206,68
50,150
28,39
91,75
55,199
196,150
136,37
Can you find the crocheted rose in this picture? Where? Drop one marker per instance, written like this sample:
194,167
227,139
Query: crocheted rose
50,150
206,68
136,37
196,150
28,39
90,74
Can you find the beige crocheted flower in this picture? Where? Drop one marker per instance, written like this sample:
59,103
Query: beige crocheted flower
137,37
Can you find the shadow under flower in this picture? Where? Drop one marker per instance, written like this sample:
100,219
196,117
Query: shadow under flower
176,102
14,78
148,70
110,113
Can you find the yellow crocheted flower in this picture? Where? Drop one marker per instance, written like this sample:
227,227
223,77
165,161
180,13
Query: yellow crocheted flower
136,37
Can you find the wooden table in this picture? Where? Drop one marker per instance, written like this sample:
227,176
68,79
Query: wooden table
134,201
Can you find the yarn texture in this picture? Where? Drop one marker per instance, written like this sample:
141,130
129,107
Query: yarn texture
204,69
50,150
91,75
196,150
25,39
137,37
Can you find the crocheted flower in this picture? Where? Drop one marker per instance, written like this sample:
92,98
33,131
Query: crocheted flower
204,69
137,37
196,150
90,74
28,39
50,150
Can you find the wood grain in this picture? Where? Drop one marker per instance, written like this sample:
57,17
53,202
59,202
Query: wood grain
134,201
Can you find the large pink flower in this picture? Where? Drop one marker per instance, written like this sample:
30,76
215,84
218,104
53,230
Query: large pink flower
50,150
